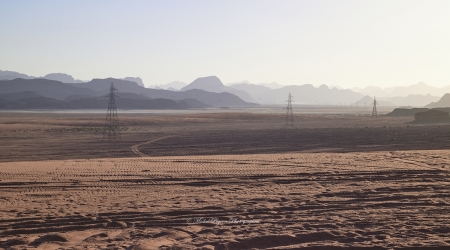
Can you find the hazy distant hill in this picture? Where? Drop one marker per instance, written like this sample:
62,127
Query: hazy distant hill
256,91
213,99
213,84
322,95
10,75
443,102
209,83
61,77
137,80
412,100
43,87
420,88
272,85
175,85
372,91
303,94
100,87
368,101
31,100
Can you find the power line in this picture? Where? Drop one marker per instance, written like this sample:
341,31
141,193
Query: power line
374,109
112,128
289,117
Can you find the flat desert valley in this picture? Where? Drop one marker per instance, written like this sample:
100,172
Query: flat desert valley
223,180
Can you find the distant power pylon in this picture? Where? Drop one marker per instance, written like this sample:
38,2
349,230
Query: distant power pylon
289,118
374,110
112,129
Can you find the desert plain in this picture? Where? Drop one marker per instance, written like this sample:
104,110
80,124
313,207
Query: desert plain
231,179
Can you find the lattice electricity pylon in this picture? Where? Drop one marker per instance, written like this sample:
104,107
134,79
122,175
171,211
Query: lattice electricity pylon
112,128
289,118
374,109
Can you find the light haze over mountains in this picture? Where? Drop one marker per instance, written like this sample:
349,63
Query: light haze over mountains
414,89
417,95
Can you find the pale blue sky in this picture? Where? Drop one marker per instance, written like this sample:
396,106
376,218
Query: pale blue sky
346,43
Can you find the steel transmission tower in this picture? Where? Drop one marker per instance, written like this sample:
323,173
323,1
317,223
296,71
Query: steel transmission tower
112,129
289,118
374,110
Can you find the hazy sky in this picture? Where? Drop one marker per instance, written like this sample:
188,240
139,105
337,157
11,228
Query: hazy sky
346,43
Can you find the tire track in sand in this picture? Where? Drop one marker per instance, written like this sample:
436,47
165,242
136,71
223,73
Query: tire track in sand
135,148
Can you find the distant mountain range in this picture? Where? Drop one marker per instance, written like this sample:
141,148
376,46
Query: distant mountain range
224,99
175,86
303,94
43,87
314,95
411,100
60,77
256,91
137,80
10,75
420,88
272,85
212,92
368,101
213,84
32,100
48,94
441,103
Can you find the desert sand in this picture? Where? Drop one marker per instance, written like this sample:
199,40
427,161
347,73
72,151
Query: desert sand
223,181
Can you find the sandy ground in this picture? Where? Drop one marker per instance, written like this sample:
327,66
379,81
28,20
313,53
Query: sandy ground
34,136
270,201
223,181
